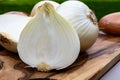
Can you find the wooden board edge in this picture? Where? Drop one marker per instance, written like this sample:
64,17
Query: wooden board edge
101,73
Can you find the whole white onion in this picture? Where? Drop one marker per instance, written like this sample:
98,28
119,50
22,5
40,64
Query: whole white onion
39,4
82,19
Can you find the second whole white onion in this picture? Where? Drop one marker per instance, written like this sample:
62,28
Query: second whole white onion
82,19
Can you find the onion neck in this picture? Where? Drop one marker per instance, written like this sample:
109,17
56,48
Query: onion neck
92,17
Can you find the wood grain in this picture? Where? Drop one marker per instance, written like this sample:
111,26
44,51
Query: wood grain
90,65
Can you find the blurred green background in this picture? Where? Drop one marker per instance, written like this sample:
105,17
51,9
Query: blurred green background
100,7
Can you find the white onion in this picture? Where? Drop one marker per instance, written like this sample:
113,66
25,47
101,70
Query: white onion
11,26
48,41
82,19
39,4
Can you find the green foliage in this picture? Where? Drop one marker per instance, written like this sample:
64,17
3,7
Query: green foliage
100,7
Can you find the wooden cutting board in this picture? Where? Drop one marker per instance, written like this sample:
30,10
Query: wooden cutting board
90,65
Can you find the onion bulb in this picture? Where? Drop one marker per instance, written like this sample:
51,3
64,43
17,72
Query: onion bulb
82,19
48,41
110,23
33,12
11,26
